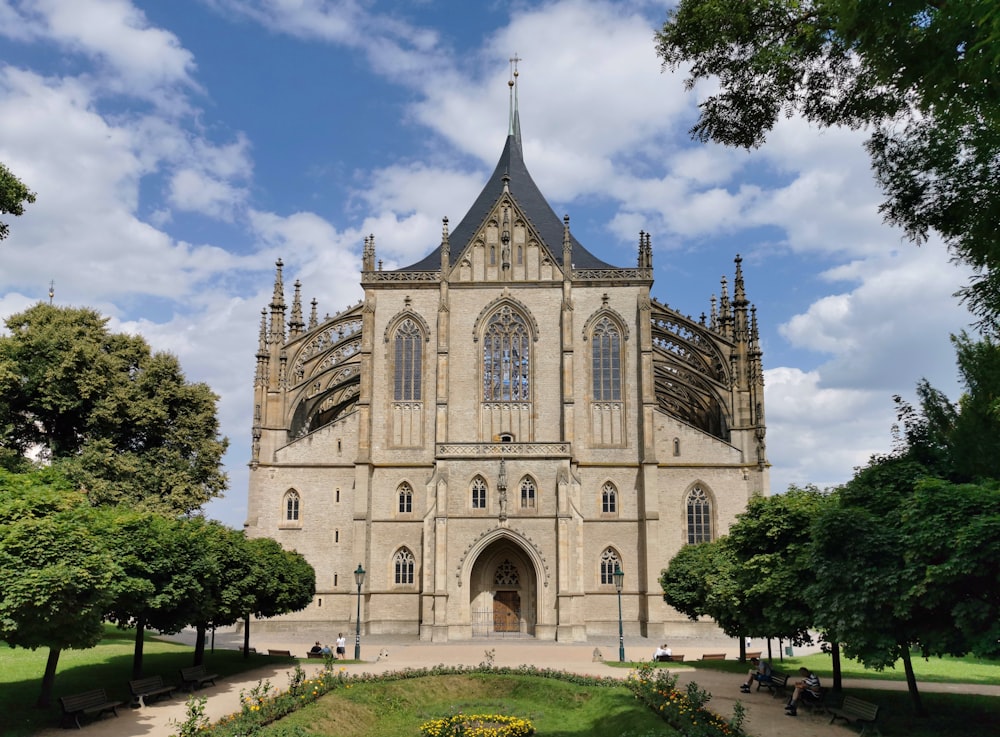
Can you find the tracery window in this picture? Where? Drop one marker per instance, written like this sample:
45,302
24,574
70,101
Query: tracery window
699,516
291,506
506,574
408,347
478,493
609,561
405,499
606,347
403,563
609,499
528,494
506,358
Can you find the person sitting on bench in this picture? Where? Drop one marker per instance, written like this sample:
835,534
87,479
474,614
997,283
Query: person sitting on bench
663,654
807,688
761,671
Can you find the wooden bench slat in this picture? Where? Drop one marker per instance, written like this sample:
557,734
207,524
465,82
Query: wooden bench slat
151,687
195,677
90,702
858,710
777,685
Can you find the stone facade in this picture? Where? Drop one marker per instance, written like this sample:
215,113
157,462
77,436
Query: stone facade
496,428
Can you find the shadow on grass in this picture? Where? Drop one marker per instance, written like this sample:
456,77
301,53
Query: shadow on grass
107,666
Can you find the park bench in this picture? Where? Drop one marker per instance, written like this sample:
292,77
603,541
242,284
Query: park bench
196,677
777,685
675,658
284,653
714,656
95,701
149,689
856,710
312,655
754,654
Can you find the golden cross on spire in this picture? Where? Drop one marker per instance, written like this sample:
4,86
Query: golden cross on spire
513,68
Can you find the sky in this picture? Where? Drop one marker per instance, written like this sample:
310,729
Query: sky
178,149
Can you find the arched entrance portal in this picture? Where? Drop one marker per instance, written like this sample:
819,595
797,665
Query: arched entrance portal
504,592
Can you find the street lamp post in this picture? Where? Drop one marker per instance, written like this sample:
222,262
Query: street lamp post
359,577
619,576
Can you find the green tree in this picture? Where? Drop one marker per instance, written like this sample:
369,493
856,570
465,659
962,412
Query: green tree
57,576
13,195
919,74
952,544
163,574
771,543
245,576
121,421
958,441
701,581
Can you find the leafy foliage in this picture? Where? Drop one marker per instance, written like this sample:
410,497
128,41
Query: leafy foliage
13,195
771,542
121,421
920,74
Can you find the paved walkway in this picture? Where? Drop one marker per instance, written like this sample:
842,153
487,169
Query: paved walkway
766,717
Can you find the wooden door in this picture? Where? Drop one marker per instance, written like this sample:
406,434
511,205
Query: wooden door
506,611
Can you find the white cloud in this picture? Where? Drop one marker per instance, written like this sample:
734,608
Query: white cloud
195,191
133,57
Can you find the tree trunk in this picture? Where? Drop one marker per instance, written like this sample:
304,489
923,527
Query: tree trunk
140,637
49,679
838,677
743,649
911,683
246,636
199,645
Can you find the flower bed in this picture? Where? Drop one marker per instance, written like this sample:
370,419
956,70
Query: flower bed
265,704
684,710
478,725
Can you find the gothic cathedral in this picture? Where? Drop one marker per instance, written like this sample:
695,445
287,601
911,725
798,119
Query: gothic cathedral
496,429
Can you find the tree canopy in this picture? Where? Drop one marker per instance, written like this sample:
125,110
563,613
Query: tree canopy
13,194
920,75
58,576
121,421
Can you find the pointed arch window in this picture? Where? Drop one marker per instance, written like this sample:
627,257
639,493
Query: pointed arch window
699,516
606,348
291,505
405,499
403,563
609,561
609,499
478,493
527,494
408,345
506,358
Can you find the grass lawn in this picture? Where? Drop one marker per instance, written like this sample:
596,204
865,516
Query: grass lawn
109,665
400,707
932,670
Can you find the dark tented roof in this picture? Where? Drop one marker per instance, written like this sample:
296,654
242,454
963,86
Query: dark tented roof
525,192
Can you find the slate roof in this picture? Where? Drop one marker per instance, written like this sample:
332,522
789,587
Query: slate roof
525,192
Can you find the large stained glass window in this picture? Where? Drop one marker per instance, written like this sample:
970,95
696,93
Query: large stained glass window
506,358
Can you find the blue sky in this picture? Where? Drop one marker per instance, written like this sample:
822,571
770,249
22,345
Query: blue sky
179,148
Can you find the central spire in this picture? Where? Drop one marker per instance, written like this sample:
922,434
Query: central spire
514,127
